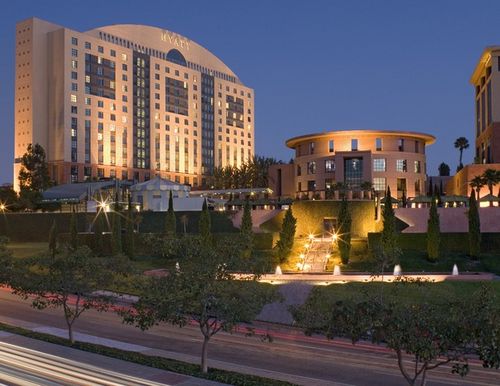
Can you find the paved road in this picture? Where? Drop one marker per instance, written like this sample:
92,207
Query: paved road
292,356
19,365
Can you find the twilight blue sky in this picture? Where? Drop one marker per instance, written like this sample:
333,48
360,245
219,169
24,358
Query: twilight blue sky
314,65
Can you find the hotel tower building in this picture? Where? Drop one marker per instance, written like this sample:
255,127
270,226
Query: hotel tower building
127,102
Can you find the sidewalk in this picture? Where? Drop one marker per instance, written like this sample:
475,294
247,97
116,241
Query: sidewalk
104,362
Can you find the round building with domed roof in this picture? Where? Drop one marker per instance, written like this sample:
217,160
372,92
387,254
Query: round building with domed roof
128,102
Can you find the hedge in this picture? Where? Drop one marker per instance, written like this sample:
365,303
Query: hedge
223,376
35,227
450,242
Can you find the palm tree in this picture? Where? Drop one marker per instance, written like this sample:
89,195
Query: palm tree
491,177
477,183
461,143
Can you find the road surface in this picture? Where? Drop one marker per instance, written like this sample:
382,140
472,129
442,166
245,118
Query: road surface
291,356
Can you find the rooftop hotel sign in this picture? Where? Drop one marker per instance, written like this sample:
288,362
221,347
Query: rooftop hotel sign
175,39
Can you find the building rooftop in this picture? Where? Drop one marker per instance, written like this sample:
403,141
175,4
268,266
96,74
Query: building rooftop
427,138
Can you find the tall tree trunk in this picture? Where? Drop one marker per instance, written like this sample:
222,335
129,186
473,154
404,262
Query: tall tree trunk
204,354
461,150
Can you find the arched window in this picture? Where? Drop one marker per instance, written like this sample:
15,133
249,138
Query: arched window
175,56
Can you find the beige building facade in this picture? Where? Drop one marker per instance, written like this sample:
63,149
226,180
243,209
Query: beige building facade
127,102
383,158
486,82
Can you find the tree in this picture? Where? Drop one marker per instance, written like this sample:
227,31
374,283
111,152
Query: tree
474,227
246,229
97,236
433,332
9,198
490,178
129,242
69,281
73,231
53,239
477,183
205,225
116,229
389,236
444,169
344,230
205,292
34,174
433,232
461,143
285,242
170,221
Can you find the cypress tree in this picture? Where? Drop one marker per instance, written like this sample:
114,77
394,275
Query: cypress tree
287,235
53,239
474,227
129,242
389,236
170,221
433,232
246,229
98,242
116,243
73,231
205,225
344,226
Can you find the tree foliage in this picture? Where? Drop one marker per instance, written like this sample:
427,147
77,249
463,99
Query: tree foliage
433,232
170,220
433,332
204,291
53,239
73,231
116,229
129,241
246,228
461,143
252,174
205,225
474,227
344,231
68,281
286,239
389,239
34,175
444,169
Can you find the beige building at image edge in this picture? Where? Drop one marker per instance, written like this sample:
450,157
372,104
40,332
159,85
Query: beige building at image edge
127,102
486,82
384,158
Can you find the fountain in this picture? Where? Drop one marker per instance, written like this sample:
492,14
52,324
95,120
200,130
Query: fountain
397,270
455,270
278,271
336,270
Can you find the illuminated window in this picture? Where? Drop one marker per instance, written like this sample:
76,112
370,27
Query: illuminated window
329,165
417,167
401,165
379,184
73,98
379,165
311,167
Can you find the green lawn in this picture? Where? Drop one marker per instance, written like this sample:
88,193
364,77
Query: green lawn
415,261
23,250
428,292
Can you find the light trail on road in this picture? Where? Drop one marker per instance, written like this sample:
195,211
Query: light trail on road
22,366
